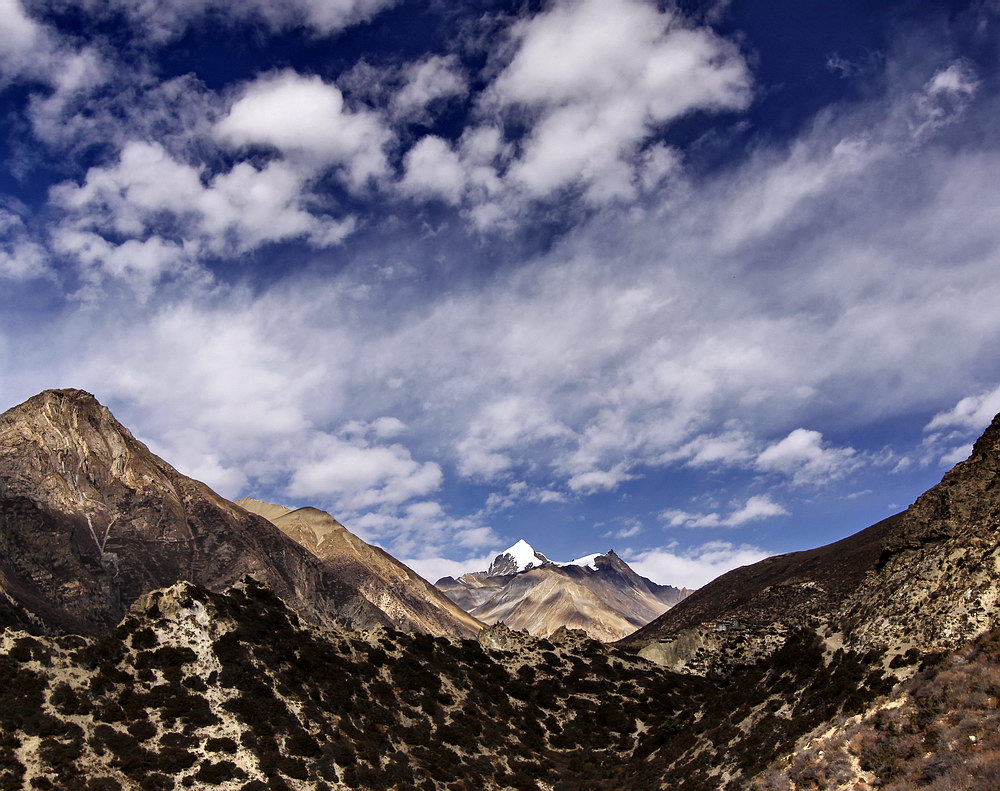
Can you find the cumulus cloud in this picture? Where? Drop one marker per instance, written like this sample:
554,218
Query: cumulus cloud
358,475
803,457
694,567
972,413
756,508
307,120
149,195
597,78
31,50
592,83
434,568
431,79
21,258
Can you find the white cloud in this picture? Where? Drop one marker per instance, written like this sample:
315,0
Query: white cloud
956,454
357,475
148,191
632,527
803,457
518,492
599,480
433,169
943,99
434,568
162,20
514,420
21,258
948,431
30,50
307,120
592,83
972,413
756,508
730,448
597,78
693,567
476,537
426,81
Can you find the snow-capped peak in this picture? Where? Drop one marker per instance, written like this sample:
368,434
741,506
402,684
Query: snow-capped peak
519,557
586,560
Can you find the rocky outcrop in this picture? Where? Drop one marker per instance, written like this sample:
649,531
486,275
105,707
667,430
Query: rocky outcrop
90,520
410,602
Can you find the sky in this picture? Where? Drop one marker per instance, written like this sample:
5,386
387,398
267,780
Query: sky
698,282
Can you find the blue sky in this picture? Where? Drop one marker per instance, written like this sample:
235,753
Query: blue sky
700,282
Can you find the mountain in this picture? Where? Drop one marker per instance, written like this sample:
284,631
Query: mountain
90,520
520,557
873,663
924,578
599,594
412,603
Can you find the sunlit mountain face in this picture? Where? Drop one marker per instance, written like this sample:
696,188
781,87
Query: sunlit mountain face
698,282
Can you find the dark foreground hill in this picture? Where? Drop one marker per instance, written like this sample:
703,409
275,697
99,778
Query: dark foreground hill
201,690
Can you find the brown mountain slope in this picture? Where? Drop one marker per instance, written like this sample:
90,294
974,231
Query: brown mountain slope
939,558
408,599
90,520
603,596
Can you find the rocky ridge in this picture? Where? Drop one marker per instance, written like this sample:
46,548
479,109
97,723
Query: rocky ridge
411,603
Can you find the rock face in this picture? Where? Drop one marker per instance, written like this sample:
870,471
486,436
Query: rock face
412,603
926,578
90,520
599,594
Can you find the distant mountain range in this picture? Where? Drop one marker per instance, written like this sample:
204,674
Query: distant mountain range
525,590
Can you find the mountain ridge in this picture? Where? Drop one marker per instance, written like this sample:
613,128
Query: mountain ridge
407,598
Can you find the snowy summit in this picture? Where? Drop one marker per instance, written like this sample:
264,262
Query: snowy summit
519,557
